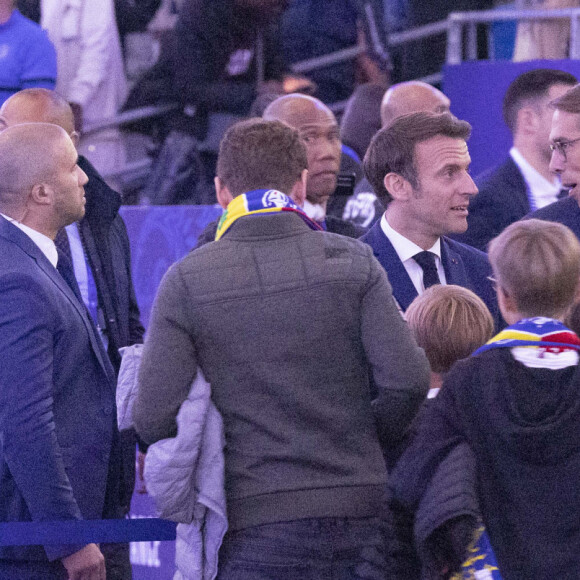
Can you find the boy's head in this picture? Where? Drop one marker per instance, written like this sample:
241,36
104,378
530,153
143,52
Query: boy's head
537,268
449,323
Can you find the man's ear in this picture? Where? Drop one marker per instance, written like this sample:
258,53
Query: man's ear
41,194
224,197
527,120
399,188
298,193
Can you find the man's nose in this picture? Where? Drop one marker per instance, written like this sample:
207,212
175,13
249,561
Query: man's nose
557,162
469,187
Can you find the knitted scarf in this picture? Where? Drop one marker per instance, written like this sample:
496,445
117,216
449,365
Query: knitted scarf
257,202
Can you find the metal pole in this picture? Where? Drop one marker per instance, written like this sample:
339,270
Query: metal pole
472,41
454,40
574,29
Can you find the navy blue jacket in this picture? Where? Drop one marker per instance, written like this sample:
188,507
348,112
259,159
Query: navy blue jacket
463,265
57,398
501,201
564,211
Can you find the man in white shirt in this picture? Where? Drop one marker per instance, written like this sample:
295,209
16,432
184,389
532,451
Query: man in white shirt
418,166
57,401
523,182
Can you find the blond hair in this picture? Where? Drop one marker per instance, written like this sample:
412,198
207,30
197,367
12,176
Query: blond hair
449,323
537,263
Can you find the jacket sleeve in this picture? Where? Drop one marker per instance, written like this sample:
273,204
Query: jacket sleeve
136,329
96,27
169,362
28,439
399,368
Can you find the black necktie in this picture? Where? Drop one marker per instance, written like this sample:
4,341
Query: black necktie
563,193
427,262
61,242
65,269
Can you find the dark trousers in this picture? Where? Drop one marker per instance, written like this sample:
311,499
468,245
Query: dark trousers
311,549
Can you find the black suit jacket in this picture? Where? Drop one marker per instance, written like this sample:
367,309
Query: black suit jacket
564,211
57,398
501,201
463,265
106,243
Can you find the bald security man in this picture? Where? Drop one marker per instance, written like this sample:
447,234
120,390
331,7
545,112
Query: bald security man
320,133
100,252
59,449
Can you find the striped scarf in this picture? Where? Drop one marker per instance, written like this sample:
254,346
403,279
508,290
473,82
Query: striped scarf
258,202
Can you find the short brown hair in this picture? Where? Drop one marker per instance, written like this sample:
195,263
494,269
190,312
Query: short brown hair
258,154
393,147
528,88
449,323
538,264
569,102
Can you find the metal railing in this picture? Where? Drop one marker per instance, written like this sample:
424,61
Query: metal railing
454,26
457,21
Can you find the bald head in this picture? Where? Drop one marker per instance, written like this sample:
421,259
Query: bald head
27,158
412,97
37,106
317,126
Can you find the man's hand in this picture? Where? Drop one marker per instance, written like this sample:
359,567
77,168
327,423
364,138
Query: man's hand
86,564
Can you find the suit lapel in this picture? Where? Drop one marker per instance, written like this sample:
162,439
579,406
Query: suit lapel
403,288
16,236
453,265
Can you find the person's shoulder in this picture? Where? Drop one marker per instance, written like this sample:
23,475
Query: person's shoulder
337,225
562,211
27,26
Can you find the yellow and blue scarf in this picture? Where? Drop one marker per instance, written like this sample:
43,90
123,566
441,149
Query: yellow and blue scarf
258,202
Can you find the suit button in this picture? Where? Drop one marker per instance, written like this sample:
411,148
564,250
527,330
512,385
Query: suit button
107,411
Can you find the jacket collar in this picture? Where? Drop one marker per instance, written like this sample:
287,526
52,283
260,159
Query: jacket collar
403,288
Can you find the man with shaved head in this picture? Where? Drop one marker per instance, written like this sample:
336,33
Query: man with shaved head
412,97
59,440
99,248
320,133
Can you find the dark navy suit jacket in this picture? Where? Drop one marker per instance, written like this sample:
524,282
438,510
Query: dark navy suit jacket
501,201
463,265
564,211
57,398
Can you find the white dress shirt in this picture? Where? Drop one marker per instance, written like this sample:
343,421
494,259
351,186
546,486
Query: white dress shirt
45,244
541,192
406,249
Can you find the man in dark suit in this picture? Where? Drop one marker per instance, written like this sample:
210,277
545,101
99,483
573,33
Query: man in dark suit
418,166
523,182
565,162
99,248
59,452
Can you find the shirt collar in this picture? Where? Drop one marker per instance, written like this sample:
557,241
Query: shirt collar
536,182
404,247
44,243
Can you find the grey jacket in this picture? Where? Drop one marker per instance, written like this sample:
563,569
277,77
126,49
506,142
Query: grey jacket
185,474
289,326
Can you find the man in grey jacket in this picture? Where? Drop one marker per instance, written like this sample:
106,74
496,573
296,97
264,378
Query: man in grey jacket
289,326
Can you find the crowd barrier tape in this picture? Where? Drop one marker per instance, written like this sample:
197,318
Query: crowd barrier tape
86,532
